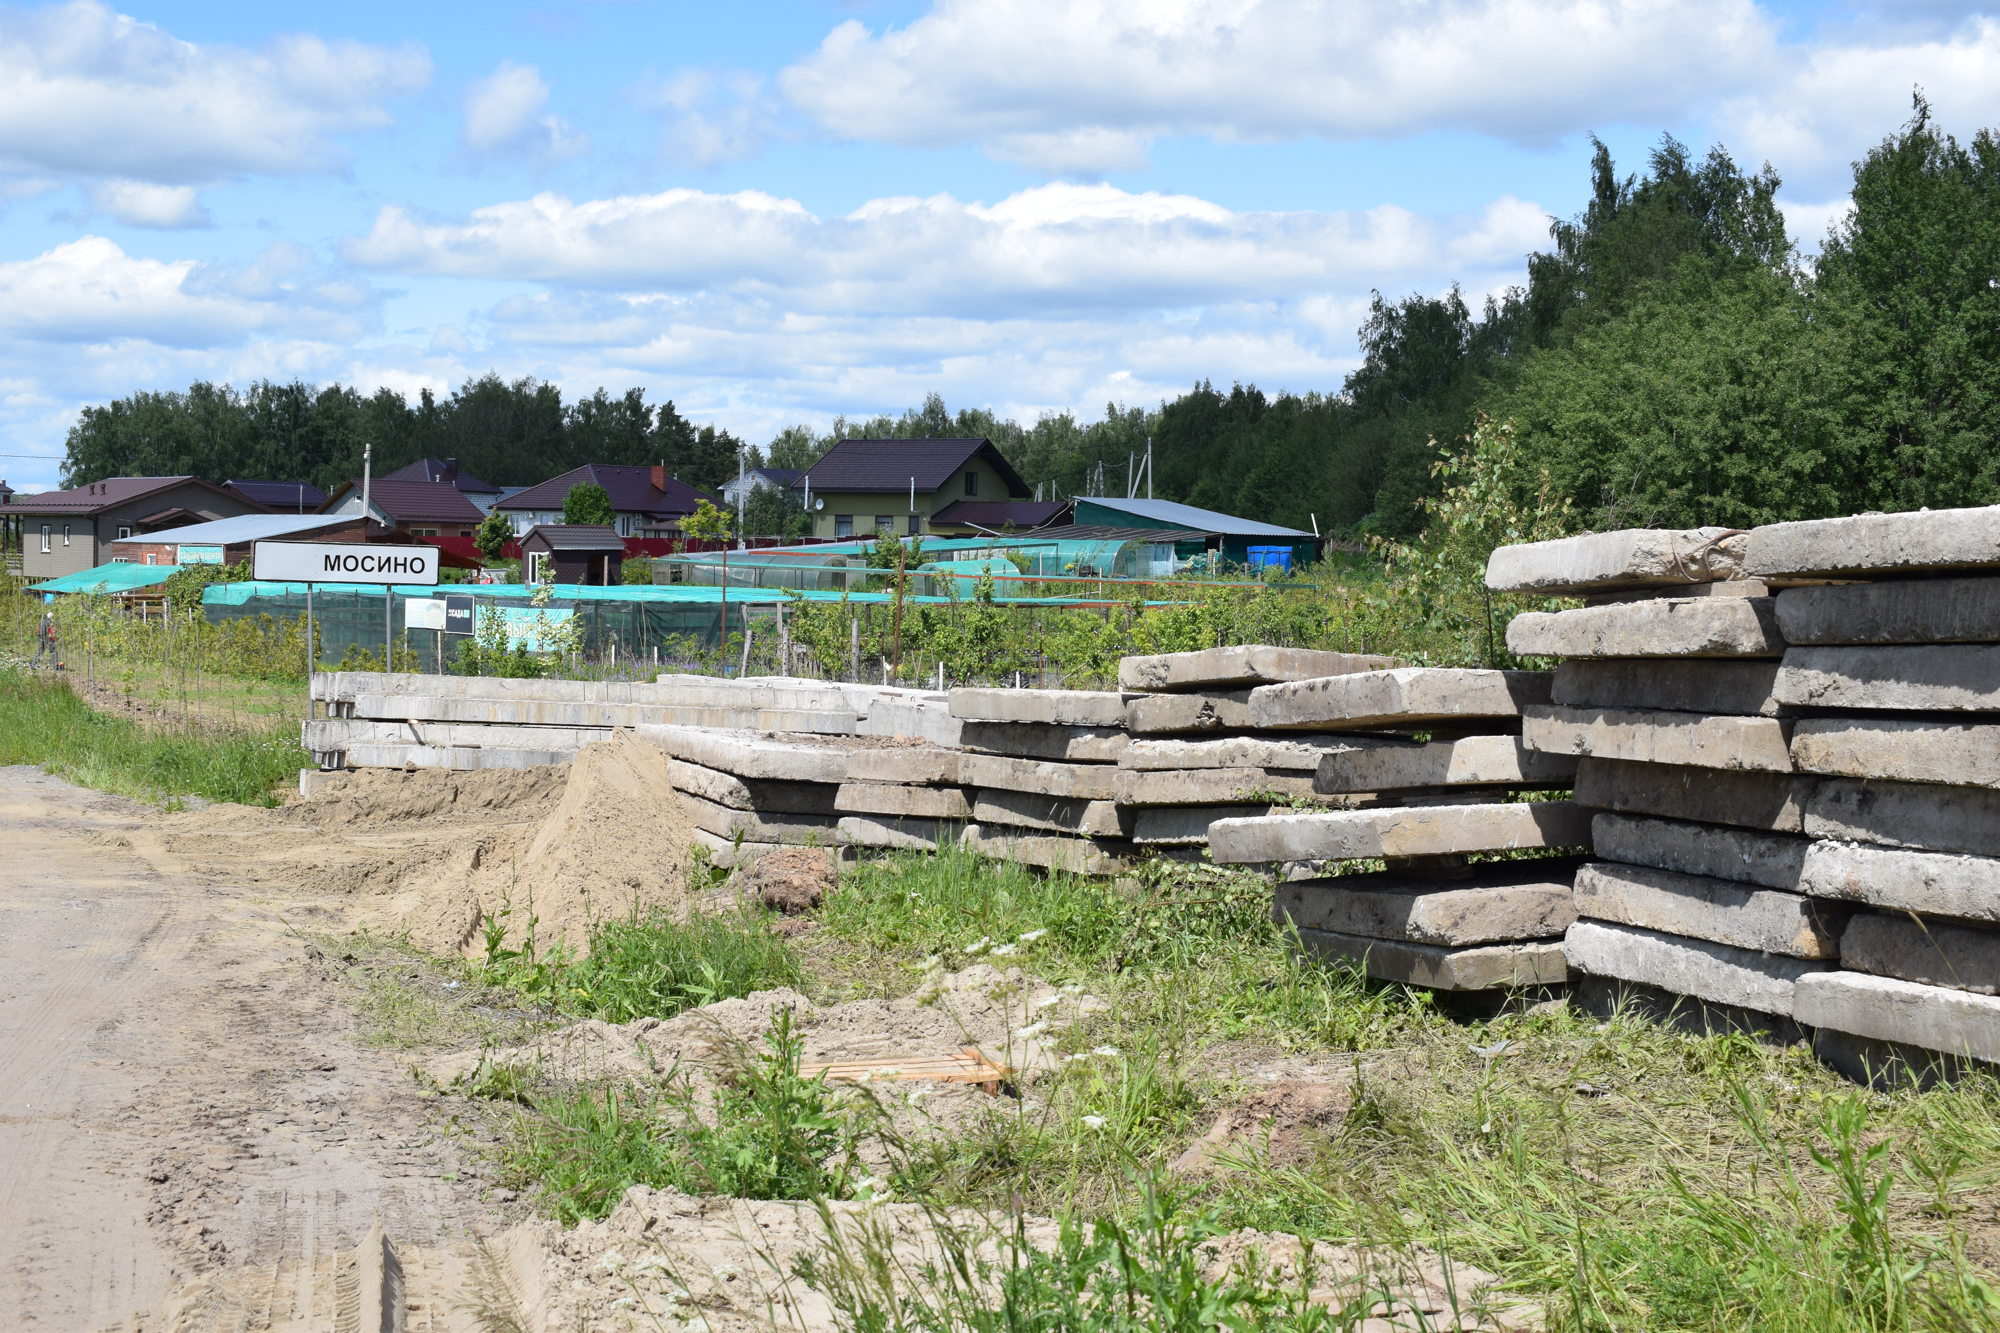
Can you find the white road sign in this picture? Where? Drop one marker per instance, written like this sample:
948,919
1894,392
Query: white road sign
345,562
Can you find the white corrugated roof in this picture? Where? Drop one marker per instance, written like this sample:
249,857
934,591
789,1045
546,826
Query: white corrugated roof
242,528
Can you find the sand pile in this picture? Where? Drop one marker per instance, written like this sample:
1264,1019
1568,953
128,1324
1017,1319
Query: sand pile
729,1263
433,795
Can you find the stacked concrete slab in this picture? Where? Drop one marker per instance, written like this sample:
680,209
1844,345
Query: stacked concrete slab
1790,736
1431,775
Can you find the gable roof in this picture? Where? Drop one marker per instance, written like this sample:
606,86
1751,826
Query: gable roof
1171,513
98,496
575,537
632,491
441,469
890,465
298,496
414,501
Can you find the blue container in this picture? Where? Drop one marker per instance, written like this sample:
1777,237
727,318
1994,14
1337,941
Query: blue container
1279,557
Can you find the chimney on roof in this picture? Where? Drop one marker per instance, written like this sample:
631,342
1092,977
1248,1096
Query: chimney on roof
451,469
660,478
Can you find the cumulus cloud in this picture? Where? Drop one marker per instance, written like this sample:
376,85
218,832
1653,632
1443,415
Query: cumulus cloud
139,204
505,114
1081,86
1052,248
87,92
709,118
91,291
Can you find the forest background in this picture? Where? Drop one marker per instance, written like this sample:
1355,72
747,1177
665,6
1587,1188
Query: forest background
1673,360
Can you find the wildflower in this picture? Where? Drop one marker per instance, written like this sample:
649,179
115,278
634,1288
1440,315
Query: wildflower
611,1262
1002,950
1032,1030
1048,1000
1094,1122
1080,1055
1104,1050
978,944
1072,989
726,1272
1029,937
695,1324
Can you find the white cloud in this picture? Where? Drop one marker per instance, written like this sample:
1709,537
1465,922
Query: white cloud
710,118
90,291
1052,248
505,114
138,204
1833,104
1082,86
87,92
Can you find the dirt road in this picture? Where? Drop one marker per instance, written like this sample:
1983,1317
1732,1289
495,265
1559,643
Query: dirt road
193,1137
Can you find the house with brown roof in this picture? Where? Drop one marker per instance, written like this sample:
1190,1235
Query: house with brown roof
280,497
645,500
864,487
419,508
65,532
472,488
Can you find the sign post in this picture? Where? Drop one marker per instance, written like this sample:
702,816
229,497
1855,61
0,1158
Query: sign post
348,562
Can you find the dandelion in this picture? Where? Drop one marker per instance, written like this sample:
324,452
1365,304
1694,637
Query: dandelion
1094,1122
1003,950
1029,937
1104,1050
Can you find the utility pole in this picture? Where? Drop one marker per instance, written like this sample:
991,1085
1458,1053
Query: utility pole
1149,467
367,465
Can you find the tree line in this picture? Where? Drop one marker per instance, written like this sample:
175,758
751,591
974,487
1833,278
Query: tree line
1672,359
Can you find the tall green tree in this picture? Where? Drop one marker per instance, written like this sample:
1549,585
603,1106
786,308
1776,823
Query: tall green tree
587,502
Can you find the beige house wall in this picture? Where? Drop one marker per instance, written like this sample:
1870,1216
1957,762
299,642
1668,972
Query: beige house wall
91,535
866,506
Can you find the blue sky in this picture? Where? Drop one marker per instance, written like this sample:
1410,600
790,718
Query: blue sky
772,214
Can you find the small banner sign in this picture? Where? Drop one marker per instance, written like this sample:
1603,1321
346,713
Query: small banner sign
345,562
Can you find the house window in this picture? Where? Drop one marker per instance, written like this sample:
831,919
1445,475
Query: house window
152,558
45,539
124,533
972,483
534,566
120,560
885,522
65,534
916,524
843,526
624,525
423,532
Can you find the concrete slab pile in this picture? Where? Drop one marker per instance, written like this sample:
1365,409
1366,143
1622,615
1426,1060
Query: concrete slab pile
1414,767
1798,778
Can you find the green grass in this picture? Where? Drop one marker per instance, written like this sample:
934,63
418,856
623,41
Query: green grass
43,722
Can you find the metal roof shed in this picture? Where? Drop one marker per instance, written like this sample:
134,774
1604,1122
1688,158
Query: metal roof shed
1237,535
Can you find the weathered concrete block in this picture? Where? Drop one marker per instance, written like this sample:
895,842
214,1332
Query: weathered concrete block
1937,677
904,763
1904,611
884,798
1723,686
1727,588
1753,744
1470,761
1482,967
1353,835
1407,695
921,719
338,733
1875,544
1628,558
1929,953
1086,782
750,754
915,835
1034,740
1078,856
1905,814
1959,754
1240,667
1209,786
790,798
1767,920
460,758
1719,973
1521,900
1186,825
1022,809
1664,627
1774,860
1294,754
1933,883
1063,708
1161,714
1885,1009
757,826
1774,801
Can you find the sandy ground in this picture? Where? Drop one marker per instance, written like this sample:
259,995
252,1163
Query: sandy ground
193,1133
